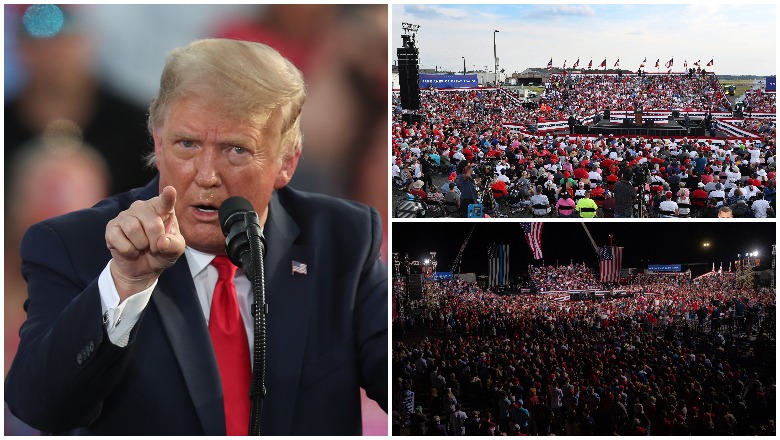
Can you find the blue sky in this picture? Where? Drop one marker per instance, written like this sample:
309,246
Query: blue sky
740,37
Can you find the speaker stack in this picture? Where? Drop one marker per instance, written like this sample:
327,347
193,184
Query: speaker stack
409,77
415,282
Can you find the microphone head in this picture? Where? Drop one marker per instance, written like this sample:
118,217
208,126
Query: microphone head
231,210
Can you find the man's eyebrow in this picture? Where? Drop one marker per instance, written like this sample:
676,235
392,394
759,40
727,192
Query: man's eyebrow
183,134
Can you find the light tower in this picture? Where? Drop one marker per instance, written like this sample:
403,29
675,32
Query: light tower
745,276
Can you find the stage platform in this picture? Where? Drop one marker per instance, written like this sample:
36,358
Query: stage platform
671,127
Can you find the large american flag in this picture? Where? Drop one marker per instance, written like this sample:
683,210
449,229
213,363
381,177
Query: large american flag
533,236
498,259
610,261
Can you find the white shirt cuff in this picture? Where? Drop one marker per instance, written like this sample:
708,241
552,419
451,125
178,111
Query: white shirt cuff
120,319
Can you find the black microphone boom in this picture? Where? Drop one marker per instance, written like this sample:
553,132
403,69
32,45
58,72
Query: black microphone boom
245,246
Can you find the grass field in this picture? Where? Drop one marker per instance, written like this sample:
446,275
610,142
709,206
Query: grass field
742,85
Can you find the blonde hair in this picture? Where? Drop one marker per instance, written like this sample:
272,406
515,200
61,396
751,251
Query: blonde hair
252,80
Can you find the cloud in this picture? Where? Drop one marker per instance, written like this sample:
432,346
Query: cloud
434,12
547,11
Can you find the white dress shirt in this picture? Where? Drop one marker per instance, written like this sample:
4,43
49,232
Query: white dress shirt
120,318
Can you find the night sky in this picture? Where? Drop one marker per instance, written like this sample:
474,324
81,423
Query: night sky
646,242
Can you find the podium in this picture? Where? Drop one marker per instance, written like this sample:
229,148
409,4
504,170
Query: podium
638,117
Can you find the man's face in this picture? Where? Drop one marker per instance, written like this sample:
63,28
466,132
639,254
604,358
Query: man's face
208,155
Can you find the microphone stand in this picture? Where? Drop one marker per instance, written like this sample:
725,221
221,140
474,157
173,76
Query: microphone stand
256,273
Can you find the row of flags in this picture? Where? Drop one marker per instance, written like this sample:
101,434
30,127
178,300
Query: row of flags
603,64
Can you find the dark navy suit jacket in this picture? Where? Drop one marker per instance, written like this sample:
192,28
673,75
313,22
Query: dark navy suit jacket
327,330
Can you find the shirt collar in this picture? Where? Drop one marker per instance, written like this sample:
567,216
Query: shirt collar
197,260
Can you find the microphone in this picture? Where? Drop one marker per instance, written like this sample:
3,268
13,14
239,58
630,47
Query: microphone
239,222
245,246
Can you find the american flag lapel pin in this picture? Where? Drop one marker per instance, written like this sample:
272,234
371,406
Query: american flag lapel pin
299,268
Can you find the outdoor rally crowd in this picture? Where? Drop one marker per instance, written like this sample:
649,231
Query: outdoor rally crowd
675,360
465,137
571,277
585,94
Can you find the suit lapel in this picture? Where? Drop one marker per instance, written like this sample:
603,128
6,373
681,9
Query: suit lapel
289,298
182,318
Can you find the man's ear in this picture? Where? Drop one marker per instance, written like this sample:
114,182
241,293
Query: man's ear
289,164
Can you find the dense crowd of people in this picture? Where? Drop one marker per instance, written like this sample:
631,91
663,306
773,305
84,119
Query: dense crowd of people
766,128
529,365
586,95
760,102
557,278
468,130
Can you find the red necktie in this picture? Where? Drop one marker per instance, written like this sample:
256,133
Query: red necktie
231,347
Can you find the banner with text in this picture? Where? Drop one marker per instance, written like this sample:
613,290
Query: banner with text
448,81
665,267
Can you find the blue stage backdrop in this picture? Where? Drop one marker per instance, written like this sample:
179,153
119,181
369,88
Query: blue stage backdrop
448,81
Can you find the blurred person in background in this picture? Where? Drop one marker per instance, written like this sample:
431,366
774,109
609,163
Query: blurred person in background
52,175
60,82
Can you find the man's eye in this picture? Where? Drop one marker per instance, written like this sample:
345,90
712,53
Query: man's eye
187,144
240,150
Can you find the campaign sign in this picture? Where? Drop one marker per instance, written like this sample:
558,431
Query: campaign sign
442,275
448,81
771,83
665,267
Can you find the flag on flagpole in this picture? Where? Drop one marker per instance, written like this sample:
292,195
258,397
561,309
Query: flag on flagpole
590,64
498,259
697,63
643,63
711,62
576,63
533,236
670,63
657,61
617,63
603,63
549,65
610,262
